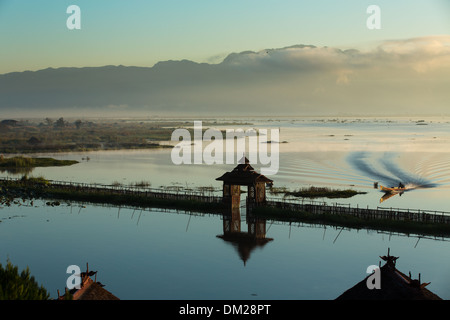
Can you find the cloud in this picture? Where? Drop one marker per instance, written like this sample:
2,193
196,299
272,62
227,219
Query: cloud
218,58
297,58
419,54
429,46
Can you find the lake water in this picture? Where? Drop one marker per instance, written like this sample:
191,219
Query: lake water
177,255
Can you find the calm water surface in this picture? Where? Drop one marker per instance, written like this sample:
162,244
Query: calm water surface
170,255
174,255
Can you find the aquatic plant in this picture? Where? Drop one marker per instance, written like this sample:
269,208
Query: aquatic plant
141,184
323,192
278,190
27,162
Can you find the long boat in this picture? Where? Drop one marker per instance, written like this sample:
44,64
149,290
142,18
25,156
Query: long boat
393,189
388,195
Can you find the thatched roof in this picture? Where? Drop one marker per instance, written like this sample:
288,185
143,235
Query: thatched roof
243,174
394,286
92,290
89,289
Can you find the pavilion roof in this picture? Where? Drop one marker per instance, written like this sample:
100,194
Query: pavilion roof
243,174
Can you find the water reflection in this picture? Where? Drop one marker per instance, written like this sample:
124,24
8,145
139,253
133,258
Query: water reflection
388,195
17,170
244,242
307,264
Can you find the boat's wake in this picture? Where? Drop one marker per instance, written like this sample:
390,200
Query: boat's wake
387,172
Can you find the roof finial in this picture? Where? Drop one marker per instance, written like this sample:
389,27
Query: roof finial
390,260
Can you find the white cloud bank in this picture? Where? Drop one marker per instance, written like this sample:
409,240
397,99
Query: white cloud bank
418,54
409,76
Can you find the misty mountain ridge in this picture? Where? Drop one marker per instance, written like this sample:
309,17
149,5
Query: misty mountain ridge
299,79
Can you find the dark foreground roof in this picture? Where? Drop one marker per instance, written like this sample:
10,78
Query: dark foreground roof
89,289
92,290
394,286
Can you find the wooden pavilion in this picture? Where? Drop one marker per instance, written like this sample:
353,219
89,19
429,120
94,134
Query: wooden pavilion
244,175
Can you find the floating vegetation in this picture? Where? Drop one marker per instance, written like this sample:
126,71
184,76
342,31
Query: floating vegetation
53,203
270,141
35,180
141,184
278,190
324,192
207,189
28,162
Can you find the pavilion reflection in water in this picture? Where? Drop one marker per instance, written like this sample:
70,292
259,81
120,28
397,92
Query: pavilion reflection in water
255,236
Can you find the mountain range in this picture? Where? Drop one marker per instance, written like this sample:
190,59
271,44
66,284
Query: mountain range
408,76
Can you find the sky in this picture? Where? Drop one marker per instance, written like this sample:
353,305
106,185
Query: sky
264,56
34,35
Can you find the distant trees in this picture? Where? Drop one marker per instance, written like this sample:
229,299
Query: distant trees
49,121
60,123
78,123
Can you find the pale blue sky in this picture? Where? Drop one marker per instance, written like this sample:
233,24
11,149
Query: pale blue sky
33,34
